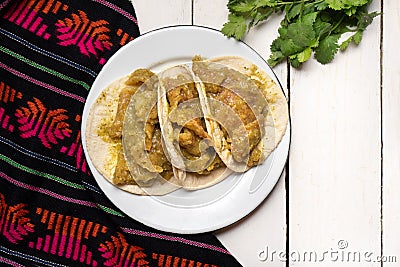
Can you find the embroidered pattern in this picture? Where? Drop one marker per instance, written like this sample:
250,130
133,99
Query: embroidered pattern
119,253
125,38
8,94
67,236
42,84
171,261
76,150
50,53
175,239
14,225
90,36
48,125
27,15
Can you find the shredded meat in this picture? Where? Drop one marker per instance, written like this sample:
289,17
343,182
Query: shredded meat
253,133
152,132
115,130
198,127
149,127
220,84
254,159
156,153
217,163
190,142
138,77
179,90
135,80
122,174
239,105
246,115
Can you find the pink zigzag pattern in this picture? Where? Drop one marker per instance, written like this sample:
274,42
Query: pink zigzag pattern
119,253
89,36
13,224
67,237
76,150
48,125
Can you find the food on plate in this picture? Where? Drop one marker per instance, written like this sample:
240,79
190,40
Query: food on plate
185,134
188,126
104,130
256,104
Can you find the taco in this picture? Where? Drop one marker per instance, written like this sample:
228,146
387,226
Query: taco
246,110
109,132
186,138
189,126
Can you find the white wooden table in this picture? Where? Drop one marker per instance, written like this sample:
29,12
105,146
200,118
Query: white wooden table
338,201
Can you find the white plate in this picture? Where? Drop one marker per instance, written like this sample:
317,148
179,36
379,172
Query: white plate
188,211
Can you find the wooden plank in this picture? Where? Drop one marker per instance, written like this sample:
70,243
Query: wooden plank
266,227
335,165
153,14
253,239
214,14
391,132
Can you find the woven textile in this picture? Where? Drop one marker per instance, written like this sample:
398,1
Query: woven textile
52,213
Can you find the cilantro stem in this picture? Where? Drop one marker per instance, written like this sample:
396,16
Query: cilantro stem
337,25
307,26
302,9
294,2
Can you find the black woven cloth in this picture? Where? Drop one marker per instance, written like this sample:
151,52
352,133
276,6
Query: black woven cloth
52,212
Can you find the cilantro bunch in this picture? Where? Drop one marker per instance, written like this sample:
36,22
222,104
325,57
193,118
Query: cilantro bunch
308,26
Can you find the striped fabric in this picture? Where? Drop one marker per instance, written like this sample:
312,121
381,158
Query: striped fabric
52,212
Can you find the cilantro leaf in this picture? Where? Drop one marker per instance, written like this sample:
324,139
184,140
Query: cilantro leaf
345,4
294,11
259,15
236,27
289,47
365,19
304,55
309,18
243,7
356,38
321,5
275,58
301,32
321,27
294,62
233,3
343,46
308,26
351,11
327,49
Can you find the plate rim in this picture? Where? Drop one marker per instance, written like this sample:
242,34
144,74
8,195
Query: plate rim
286,139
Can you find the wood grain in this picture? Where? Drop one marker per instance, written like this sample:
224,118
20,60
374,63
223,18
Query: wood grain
335,169
154,14
391,132
266,226
335,153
